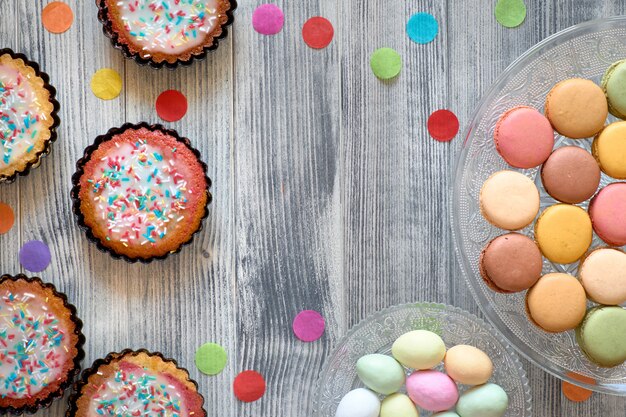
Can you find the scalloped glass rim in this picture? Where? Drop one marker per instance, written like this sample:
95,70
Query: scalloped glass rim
316,402
564,36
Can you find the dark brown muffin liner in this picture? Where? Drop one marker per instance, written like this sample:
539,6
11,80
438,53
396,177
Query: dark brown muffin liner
84,377
107,28
78,326
54,114
80,165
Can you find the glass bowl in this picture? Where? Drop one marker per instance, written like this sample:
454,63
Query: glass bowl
377,333
585,50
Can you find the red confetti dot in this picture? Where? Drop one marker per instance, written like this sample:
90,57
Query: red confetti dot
249,386
171,105
443,125
317,32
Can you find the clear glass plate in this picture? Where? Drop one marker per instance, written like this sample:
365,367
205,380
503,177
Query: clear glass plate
377,333
585,50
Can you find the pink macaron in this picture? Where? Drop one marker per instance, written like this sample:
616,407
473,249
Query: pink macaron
608,213
524,137
432,390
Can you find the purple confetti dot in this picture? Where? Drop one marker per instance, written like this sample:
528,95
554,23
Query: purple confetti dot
268,19
309,325
35,256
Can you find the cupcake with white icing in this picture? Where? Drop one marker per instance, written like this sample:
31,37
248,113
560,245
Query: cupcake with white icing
136,383
28,117
141,192
165,32
40,344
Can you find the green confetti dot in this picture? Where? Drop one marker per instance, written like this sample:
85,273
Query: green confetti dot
211,358
386,63
510,13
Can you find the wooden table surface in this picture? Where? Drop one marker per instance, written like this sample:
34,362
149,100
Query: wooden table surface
328,192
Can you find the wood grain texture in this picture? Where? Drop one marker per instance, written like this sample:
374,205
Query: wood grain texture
328,192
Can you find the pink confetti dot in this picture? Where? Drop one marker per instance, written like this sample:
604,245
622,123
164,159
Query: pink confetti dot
308,325
268,19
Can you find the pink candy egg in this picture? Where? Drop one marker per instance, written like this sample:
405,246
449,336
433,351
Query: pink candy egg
432,390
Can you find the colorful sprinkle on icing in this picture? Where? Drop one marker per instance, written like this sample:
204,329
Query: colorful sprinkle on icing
137,392
141,192
168,26
33,345
20,115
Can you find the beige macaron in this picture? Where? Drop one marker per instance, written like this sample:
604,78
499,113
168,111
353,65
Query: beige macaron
509,200
603,274
577,108
556,303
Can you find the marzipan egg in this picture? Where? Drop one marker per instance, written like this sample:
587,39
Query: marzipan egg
468,365
398,405
360,402
419,349
380,373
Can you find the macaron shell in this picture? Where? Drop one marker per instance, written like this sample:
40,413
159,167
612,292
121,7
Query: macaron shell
511,263
432,390
398,405
603,274
468,365
576,108
614,86
608,214
524,137
509,200
571,175
602,335
563,233
488,400
609,149
556,303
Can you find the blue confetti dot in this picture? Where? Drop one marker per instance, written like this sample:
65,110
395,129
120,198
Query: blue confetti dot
422,27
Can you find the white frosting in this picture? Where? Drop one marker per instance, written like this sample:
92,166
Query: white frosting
168,26
140,192
137,392
33,345
20,115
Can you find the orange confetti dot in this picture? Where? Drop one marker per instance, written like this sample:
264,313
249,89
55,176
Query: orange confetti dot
7,218
574,392
57,17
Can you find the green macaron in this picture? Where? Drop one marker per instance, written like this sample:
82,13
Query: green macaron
602,335
614,86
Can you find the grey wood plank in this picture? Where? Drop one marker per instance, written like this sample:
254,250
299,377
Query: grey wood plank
287,171
9,193
91,279
189,298
396,178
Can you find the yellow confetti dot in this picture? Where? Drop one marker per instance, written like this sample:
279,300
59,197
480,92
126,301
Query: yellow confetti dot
106,84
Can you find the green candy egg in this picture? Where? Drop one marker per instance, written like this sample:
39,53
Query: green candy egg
419,349
380,373
488,400
398,405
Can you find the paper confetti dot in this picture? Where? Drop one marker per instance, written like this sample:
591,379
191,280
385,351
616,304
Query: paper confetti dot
35,256
171,105
574,392
268,19
422,28
57,17
211,358
7,218
317,32
106,84
510,13
386,63
443,125
308,325
249,386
